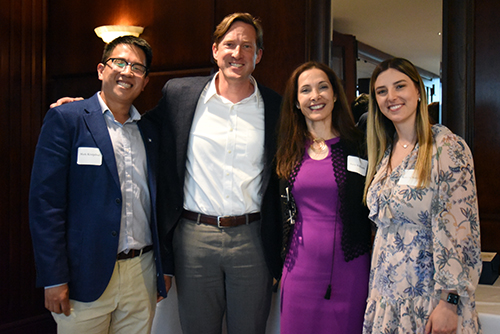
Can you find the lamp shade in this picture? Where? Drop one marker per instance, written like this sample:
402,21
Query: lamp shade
109,33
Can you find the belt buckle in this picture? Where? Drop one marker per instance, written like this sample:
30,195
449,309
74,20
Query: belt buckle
218,221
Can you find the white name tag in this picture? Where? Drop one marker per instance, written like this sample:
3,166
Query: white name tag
407,179
357,165
89,156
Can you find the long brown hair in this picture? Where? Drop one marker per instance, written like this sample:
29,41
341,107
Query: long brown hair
380,130
293,132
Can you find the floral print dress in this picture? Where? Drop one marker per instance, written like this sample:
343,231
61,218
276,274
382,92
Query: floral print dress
427,239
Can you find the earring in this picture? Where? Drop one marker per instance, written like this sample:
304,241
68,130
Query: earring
419,99
297,106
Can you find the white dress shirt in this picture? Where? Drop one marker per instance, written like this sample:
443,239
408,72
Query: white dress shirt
131,162
225,154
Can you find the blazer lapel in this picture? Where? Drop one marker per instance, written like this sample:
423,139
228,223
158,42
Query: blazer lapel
271,114
150,140
183,120
99,131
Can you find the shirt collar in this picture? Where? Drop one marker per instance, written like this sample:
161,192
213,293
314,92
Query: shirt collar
134,113
212,91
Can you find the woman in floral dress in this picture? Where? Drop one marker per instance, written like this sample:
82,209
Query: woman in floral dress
421,193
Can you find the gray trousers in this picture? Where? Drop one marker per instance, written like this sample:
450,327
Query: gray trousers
221,271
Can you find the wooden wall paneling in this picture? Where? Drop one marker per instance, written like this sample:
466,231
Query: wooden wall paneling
284,36
181,34
5,162
22,68
73,47
178,32
487,120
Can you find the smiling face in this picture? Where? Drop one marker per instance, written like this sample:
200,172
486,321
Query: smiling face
122,86
315,96
397,96
237,54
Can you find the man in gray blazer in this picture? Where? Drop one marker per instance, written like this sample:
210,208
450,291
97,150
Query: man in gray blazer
219,210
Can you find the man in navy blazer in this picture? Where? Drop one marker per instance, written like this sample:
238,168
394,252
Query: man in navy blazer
219,191
93,203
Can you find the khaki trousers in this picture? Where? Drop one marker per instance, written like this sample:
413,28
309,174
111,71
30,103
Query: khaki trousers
127,305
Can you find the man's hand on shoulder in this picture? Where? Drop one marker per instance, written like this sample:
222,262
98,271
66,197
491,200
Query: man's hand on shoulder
57,299
64,100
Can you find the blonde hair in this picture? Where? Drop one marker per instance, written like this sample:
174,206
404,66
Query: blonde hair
380,130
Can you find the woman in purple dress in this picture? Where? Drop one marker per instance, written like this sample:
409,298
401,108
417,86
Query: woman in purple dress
324,283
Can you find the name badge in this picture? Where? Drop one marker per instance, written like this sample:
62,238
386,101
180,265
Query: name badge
89,156
357,165
407,179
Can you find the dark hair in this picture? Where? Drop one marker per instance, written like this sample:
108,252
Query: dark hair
293,131
130,40
359,106
247,18
433,109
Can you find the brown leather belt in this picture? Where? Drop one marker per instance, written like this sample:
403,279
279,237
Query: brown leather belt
133,253
222,221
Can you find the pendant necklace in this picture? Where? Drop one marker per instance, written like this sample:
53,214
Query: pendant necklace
405,146
318,149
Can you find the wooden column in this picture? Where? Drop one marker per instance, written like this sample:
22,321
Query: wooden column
458,67
471,102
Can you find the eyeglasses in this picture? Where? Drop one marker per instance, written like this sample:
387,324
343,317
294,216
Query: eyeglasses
121,64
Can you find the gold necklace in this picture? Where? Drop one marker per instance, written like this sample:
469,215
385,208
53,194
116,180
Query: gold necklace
318,145
318,150
405,146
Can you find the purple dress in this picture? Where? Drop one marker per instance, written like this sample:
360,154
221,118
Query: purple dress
315,259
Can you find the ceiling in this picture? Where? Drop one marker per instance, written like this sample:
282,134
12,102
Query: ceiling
402,28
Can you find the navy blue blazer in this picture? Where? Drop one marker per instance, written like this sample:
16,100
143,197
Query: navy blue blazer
174,114
75,210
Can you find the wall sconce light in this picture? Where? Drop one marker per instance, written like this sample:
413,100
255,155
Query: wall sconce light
109,33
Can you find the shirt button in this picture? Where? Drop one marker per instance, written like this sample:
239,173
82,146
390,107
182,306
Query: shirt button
114,233
118,201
